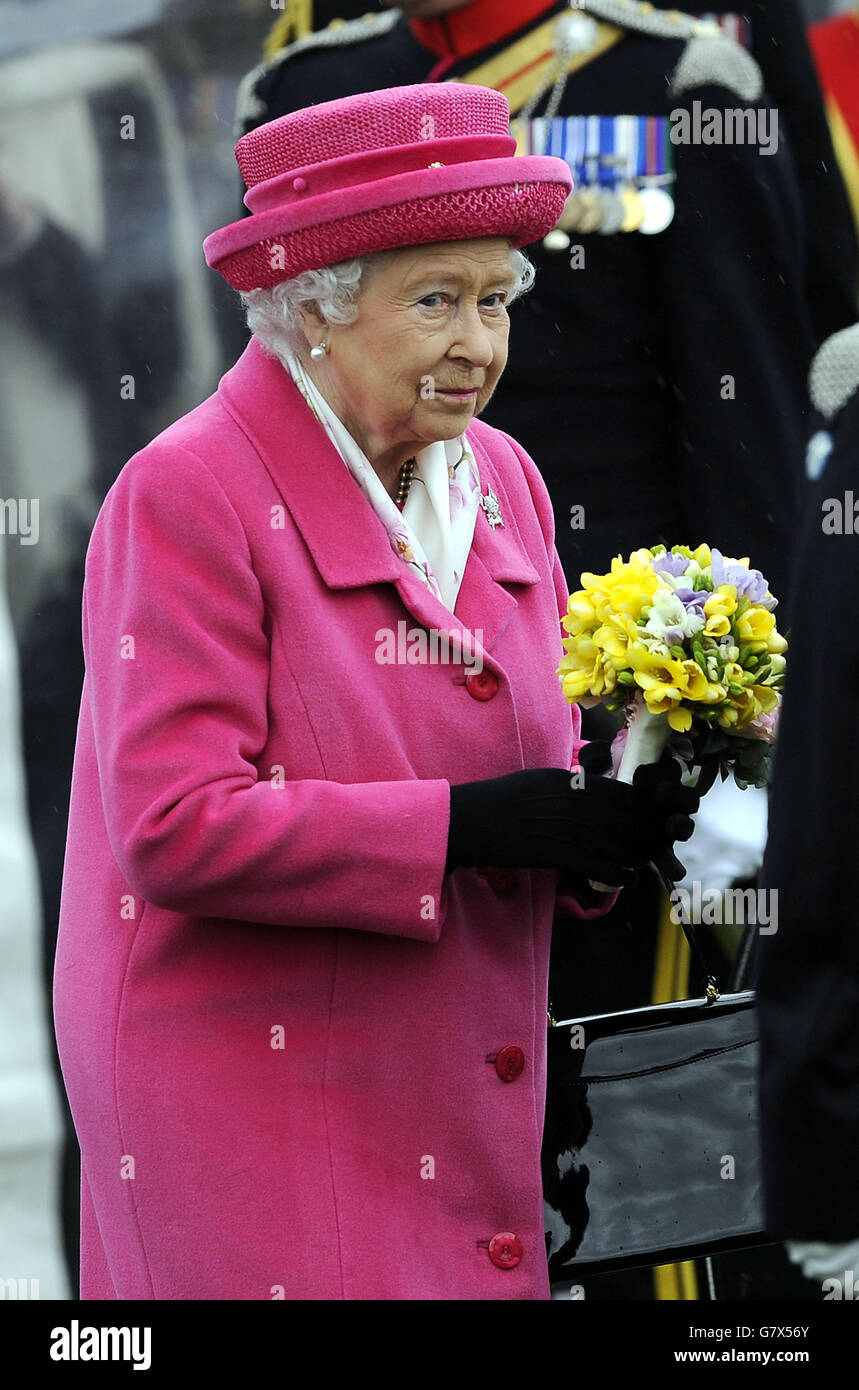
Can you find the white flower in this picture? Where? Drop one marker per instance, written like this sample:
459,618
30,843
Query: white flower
682,581
668,615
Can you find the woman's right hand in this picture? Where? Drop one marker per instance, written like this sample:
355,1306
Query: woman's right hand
582,824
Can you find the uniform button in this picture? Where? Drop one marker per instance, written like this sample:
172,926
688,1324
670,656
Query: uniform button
505,1250
481,685
510,1062
504,881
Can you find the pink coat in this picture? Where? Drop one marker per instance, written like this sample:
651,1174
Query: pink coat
278,1019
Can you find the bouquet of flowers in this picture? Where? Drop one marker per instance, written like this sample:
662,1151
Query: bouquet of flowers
684,646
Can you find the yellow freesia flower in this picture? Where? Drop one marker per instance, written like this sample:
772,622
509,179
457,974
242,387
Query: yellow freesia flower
755,625
728,717
776,643
661,699
717,626
766,697
607,639
642,557
680,719
662,680
703,556
722,602
698,687
583,670
627,588
662,668
580,613
615,638
746,706
575,684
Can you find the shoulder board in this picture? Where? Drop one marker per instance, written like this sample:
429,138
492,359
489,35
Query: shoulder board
834,375
338,33
712,53
642,18
716,60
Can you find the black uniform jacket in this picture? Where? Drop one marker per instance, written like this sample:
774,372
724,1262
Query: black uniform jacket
808,973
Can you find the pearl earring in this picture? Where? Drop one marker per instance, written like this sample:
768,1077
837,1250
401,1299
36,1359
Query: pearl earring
320,351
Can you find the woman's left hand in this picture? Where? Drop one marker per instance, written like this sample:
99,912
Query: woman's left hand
663,780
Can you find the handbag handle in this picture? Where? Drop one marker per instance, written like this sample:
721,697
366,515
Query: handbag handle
695,945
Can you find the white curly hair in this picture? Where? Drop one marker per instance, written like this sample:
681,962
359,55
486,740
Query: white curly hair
274,315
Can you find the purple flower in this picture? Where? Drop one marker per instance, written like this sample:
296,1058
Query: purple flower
692,598
748,583
675,565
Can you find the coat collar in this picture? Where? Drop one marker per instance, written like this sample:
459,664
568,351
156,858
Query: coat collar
478,25
342,532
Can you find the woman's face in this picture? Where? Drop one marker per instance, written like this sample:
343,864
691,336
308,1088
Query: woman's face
426,351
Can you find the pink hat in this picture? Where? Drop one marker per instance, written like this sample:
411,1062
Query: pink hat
398,167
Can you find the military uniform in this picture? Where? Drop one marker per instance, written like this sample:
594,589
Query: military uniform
775,34
808,985
658,380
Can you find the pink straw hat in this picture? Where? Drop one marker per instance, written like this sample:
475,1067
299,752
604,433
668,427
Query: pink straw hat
398,167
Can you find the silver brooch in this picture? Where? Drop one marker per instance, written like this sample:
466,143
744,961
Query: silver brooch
489,503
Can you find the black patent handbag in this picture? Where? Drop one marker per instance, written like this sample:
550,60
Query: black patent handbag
650,1143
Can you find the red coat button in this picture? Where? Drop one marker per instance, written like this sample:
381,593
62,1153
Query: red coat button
481,685
510,1062
504,881
505,1250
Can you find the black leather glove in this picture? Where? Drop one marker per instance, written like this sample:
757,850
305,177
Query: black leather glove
538,819
663,779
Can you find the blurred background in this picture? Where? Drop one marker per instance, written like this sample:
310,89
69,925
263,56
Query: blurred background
116,159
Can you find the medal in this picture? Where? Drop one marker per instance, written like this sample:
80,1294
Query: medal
556,240
626,145
591,211
572,212
613,213
633,209
621,167
654,172
658,210
489,503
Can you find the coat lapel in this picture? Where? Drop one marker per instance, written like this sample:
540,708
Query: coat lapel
349,545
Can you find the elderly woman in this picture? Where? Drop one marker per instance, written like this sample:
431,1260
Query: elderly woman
322,804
